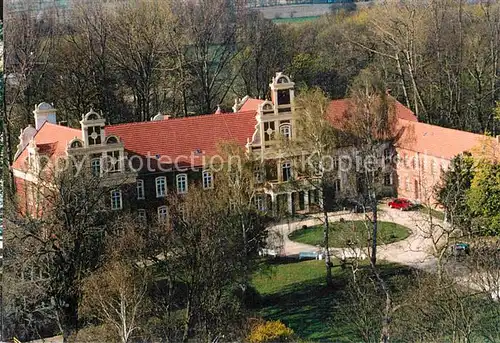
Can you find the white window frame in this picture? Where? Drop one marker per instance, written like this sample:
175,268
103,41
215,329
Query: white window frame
140,189
207,179
141,215
181,181
161,186
114,197
92,166
260,202
286,131
407,184
113,159
162,213
286,165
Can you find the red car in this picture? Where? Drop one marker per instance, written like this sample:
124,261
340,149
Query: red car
401,204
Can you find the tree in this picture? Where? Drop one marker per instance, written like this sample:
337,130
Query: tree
320,141
56,239
117,294
262,53
204,261
483,198
452,191
27,63
140,51
371,121
210,29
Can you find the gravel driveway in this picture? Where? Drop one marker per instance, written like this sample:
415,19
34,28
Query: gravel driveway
415,250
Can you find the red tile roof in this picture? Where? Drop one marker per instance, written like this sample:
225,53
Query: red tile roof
188,139
181,138
51,140
438,141
251,104
338,107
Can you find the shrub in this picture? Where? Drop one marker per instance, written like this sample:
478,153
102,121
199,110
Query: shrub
270,331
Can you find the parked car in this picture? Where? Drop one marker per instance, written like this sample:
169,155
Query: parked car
401,204
460,249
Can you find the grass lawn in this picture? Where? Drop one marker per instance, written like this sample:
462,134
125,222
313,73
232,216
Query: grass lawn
296,294
434,213
294,20
354,231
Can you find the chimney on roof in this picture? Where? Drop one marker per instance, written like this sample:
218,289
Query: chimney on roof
63,123
44,112
166,117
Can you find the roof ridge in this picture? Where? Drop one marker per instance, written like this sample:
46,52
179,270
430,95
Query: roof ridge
445,128
182,118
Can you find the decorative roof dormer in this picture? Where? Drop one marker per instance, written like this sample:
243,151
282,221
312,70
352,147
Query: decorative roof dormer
275,118
93,129
282,93
44,112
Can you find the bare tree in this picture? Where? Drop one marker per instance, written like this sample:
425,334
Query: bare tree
57,232
139,50
117,294
210,29
202,248
319,141
371,122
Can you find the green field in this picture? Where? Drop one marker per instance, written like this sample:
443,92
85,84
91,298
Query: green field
294,20
296,294
356,232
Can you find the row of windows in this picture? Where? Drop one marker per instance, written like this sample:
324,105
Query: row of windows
181,183
284,128
424,165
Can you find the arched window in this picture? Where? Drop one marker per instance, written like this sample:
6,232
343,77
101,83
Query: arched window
95,165
182,185
111,140
76,144
162,214
207,179
282,80
260,202
161,186
286,171
286,131
116,199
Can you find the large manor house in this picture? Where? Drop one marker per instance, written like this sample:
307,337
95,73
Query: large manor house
424,151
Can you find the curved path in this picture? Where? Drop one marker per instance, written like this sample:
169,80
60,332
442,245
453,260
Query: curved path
415,250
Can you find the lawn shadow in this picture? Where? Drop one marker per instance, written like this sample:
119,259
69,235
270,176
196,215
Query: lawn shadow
312,310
